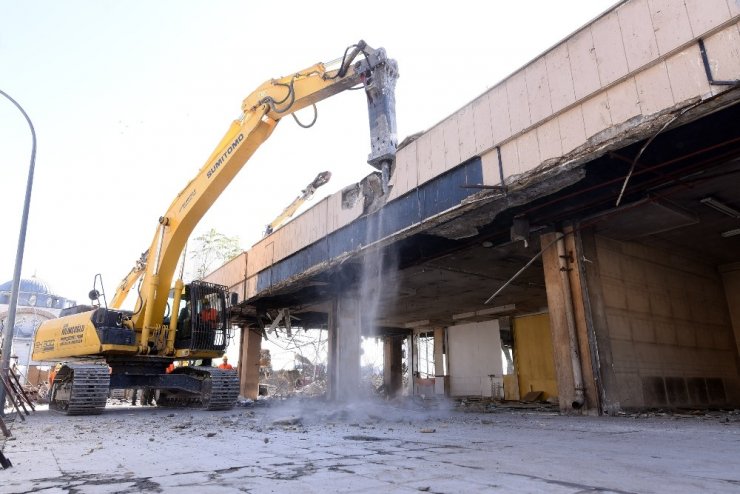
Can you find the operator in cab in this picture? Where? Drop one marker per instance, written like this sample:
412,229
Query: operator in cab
208,314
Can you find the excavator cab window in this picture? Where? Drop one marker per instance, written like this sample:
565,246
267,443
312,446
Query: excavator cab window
203,319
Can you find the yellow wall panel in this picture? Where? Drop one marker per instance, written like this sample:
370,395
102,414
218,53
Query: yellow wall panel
533,355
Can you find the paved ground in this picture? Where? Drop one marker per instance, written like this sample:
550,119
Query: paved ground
306,447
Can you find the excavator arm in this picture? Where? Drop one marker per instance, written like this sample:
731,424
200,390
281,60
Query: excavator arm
306,194
128,282
261,111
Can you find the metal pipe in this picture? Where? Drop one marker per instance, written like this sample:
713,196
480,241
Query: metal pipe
575,356
10,324
516,275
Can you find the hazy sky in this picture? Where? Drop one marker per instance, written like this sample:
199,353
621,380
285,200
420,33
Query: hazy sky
130,98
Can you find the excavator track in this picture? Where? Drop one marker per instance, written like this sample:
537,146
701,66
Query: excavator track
80,389
219,391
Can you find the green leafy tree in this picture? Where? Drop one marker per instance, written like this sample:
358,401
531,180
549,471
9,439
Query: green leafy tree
211,250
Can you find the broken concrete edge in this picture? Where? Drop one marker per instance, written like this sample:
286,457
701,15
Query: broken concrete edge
618,136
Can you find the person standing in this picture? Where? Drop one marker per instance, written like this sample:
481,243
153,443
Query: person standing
225,364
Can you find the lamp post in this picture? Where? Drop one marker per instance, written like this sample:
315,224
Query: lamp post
8,330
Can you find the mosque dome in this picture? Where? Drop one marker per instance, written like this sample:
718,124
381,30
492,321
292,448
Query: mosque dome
33,292
28,285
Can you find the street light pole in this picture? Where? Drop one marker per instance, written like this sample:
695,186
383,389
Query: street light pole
8,330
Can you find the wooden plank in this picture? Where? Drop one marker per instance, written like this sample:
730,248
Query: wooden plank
10,396
16,383
4,428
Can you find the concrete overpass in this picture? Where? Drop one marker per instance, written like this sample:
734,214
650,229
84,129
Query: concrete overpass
609,167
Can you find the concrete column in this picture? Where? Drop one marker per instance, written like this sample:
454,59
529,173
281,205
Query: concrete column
598,336
440,373
731,280
393,364
348,347
331,357
249,363
567,324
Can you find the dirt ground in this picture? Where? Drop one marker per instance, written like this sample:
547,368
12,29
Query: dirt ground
307,446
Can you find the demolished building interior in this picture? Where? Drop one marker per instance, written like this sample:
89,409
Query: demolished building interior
583,221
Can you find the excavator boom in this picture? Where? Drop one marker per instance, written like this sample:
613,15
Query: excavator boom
135,347
261,111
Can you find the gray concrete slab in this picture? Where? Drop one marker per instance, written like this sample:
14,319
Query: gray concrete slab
370,447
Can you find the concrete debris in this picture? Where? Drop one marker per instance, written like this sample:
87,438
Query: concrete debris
287,421
364,440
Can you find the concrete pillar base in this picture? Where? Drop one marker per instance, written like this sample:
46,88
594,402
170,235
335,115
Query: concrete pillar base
393,364
249,365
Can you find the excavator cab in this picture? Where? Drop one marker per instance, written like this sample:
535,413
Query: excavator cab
203,322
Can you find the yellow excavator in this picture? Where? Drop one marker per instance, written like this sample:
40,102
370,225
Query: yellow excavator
100,347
